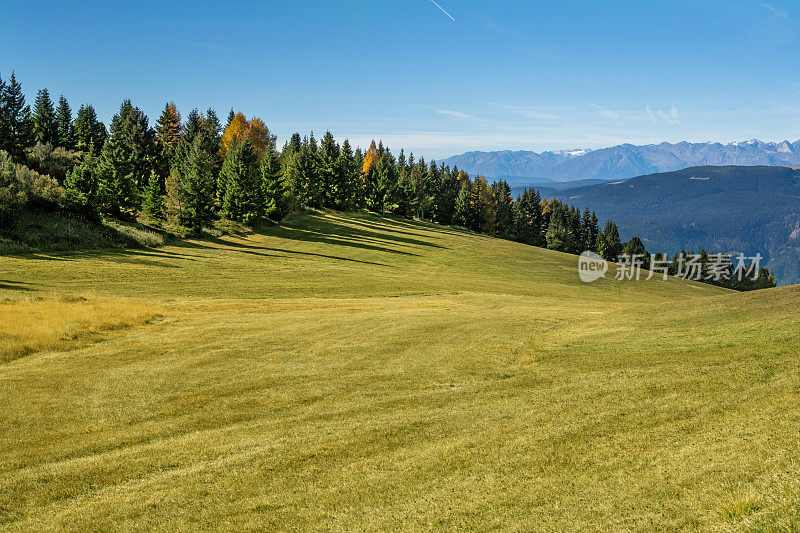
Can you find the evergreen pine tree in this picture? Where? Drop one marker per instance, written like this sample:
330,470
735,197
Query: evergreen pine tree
316,187
608,243
528,219
168,129
134,142
635,247
560,233
116,179
64,124
195,187
153,196
240,184
348,177
45,128
84,188
272,186
504,203
330,176
464,212
87,131
406,199
212,129
17,120
4,129
381,184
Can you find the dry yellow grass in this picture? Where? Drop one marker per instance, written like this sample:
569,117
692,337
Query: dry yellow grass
35,324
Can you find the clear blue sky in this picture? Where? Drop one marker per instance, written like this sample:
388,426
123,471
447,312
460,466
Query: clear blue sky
506,74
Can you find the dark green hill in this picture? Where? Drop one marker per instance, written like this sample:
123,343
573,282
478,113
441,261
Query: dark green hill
746,209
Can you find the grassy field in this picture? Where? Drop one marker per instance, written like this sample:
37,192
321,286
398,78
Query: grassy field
358,373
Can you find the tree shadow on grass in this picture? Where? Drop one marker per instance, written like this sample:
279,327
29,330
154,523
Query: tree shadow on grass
349,232
390,223
15,285
383,224
361,231
253,249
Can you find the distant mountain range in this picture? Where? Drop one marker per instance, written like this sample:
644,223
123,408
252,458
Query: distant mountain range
725,209
621,162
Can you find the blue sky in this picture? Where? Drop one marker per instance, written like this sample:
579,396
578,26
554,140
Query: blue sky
503,75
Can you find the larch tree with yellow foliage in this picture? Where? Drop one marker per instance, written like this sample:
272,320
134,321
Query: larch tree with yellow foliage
254,130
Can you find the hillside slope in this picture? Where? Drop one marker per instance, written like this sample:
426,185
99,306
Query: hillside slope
746,209
352,372
623,161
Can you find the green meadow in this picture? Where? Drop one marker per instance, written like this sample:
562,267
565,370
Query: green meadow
350,372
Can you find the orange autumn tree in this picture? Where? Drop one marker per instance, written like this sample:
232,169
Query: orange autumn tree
168,127
371,158
254,130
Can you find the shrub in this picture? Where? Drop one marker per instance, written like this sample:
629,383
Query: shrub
21,187
56,162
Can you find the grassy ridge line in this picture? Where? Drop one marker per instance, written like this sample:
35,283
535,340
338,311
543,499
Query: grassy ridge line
330,255
347,373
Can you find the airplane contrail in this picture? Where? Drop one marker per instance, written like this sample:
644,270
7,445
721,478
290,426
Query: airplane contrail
443,11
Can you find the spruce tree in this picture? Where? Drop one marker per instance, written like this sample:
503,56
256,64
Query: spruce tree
381,184
240,184
273,190
330,176
406,199
528,219
560,232
504,203
316,188
83,185
88,132
464,212
134,142
17,120
608,243
635,246
348,177
195,187
4,128
212,129
153,196
45,128
64,124
358,197
117,179
168,129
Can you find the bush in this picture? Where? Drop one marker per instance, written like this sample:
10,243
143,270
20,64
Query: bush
21,188
56,162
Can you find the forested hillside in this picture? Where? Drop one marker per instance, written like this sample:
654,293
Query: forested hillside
745,209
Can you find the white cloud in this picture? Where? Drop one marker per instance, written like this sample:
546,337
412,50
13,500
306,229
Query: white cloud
776,12
455,114
669,118
605,112
529,112
650,114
